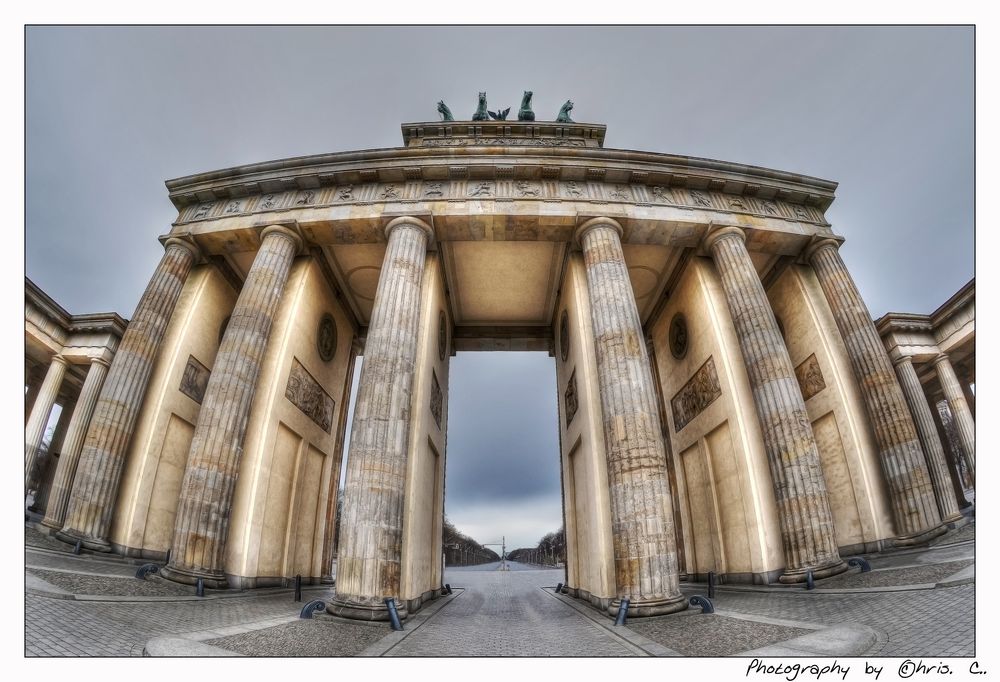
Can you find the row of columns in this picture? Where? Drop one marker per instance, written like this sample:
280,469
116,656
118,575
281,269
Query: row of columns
645,553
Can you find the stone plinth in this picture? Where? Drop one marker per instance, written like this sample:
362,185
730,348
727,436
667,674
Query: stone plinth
804,514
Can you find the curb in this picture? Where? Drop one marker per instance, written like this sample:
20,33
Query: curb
839,640
387,643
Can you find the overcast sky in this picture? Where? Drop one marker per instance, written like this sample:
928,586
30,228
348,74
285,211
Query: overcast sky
113,113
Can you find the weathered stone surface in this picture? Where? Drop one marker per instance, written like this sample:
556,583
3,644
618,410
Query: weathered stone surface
34,430
368,562
964,423
95,487
800,491
810,377
937,467
914,508
202,521
645,548
699,392
306,394
62,482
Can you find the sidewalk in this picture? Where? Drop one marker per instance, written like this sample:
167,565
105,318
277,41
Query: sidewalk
917,602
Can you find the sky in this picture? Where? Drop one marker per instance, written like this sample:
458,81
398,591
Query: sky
111,113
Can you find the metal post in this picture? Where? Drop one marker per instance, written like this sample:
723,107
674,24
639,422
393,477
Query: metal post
711,584
390,604
77,546
199,589
298,587
622,612
809,580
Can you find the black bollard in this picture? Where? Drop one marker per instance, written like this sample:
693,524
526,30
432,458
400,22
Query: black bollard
622,612
447,588
315,606
77,546
705,604
861,563
199,588
167,560
711,584
390,604
559,588
145,570
298,587
809,580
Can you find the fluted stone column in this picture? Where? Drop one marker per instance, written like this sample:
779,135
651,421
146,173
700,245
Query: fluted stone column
202,521
99,470
62,482
642,527
964,423
34,431
937,467
369,556
807,532
903,464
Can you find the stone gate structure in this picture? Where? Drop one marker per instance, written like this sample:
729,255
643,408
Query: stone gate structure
725,402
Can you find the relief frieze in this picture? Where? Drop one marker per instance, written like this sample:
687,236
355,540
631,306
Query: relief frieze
572,401
506,189
699,392
810,377
437,399
194,381
303,391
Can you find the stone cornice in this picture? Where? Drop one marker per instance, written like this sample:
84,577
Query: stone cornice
88,322
902,322
636,171
960,299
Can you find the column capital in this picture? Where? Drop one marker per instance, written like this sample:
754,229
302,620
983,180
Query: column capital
187,244
942,357
284,231
900,359
716,233
100,361
412,221
818,244
600,221
60,359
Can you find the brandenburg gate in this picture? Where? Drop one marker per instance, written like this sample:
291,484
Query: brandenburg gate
725,401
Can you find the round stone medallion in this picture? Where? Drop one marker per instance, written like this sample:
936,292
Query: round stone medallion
442,335
326,338
678,338
564,336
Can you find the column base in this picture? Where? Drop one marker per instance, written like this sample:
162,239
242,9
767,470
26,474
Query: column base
53,526
642,608
365,608
72,537
798,575
215,580
921,537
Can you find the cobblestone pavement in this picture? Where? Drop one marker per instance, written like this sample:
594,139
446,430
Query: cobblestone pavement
505,613
694,634
938,622
306,638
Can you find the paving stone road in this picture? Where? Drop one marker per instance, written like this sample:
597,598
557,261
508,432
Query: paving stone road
505,613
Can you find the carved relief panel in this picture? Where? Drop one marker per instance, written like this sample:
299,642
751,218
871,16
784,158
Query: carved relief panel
194,381
699,392
303,391
571,399
810,377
